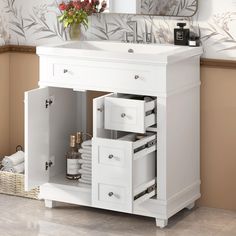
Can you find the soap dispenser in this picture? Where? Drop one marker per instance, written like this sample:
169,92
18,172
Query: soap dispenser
181,35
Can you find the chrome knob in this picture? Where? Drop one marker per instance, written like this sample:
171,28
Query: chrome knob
110,156
65,71
136,77
123,115
110,194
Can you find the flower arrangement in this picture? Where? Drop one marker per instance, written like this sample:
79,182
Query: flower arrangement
77,11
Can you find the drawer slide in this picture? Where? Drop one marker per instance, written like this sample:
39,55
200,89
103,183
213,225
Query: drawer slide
146,191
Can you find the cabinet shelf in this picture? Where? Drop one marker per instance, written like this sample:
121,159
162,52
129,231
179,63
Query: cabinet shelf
63,181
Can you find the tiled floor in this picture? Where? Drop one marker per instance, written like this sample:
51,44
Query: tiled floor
23,217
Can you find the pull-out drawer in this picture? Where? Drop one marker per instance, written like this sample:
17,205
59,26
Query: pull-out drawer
123,171
129,113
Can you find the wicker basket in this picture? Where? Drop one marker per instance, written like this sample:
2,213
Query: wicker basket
13,184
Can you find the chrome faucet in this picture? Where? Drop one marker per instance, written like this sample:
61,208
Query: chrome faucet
133,34
132,37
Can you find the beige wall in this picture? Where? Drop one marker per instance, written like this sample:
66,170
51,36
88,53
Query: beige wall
4,104
218,138
24,75
218,125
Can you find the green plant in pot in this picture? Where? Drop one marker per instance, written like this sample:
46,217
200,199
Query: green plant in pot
75,13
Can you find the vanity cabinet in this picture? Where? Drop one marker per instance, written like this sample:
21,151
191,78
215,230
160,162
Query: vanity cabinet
145,146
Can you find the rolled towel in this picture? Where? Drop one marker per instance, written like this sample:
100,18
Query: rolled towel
86,172
87,144
14,159
82,181
85,151
15,169
19,168
7,169
86,156
82,161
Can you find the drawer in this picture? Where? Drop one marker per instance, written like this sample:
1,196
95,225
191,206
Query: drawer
128,113
122,168
101,76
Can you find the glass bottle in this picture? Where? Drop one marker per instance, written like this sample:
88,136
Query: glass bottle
79,140
72,158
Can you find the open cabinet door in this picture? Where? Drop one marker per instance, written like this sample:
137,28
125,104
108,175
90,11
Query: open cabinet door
36,138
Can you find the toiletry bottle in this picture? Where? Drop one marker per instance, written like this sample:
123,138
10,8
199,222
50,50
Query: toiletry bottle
79,140
181,35
72,160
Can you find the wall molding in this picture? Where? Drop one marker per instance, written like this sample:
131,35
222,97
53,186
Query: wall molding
17,48
214,63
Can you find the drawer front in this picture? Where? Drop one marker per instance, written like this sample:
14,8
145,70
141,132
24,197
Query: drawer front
124,115
100,76
128,115
112,194
111,156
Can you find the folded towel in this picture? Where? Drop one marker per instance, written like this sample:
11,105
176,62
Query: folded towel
85,181
86,178
87,169
86,156
15,169
81,171
82,161
87,144
14,159
85,151
86,165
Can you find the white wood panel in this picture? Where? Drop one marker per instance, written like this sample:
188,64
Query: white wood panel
36,138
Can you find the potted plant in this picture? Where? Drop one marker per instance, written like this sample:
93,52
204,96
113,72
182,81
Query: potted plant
75,13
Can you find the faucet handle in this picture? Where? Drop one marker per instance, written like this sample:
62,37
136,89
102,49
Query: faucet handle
147,37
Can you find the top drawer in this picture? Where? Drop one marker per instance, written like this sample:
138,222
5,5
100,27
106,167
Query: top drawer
129,113
101,76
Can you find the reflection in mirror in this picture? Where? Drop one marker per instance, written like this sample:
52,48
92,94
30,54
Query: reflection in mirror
154,7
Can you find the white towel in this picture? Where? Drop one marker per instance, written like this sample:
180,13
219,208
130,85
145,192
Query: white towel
14,159
87,169
86,165
86,177
82,161
86,172
85,151
85,181
87,144
15,169
86,156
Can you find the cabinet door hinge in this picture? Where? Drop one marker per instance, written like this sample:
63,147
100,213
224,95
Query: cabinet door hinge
48,164
48,102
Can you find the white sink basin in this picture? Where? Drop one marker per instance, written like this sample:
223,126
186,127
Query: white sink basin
121,51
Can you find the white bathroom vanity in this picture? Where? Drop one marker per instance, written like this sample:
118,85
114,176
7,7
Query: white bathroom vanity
155,176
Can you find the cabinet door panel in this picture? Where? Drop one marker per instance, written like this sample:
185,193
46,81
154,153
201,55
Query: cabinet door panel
36,138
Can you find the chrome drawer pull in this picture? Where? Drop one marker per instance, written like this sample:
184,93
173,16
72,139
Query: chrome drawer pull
65,71
136,77
110,156
110,194
123,115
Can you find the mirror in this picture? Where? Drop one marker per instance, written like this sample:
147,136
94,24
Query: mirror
181,8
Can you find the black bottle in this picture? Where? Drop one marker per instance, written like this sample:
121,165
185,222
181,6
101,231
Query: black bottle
181,35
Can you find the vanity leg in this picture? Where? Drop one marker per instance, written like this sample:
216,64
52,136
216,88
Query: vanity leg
50,203
161,223
191,206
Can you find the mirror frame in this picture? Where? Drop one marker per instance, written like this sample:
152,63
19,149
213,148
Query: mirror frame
176,16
